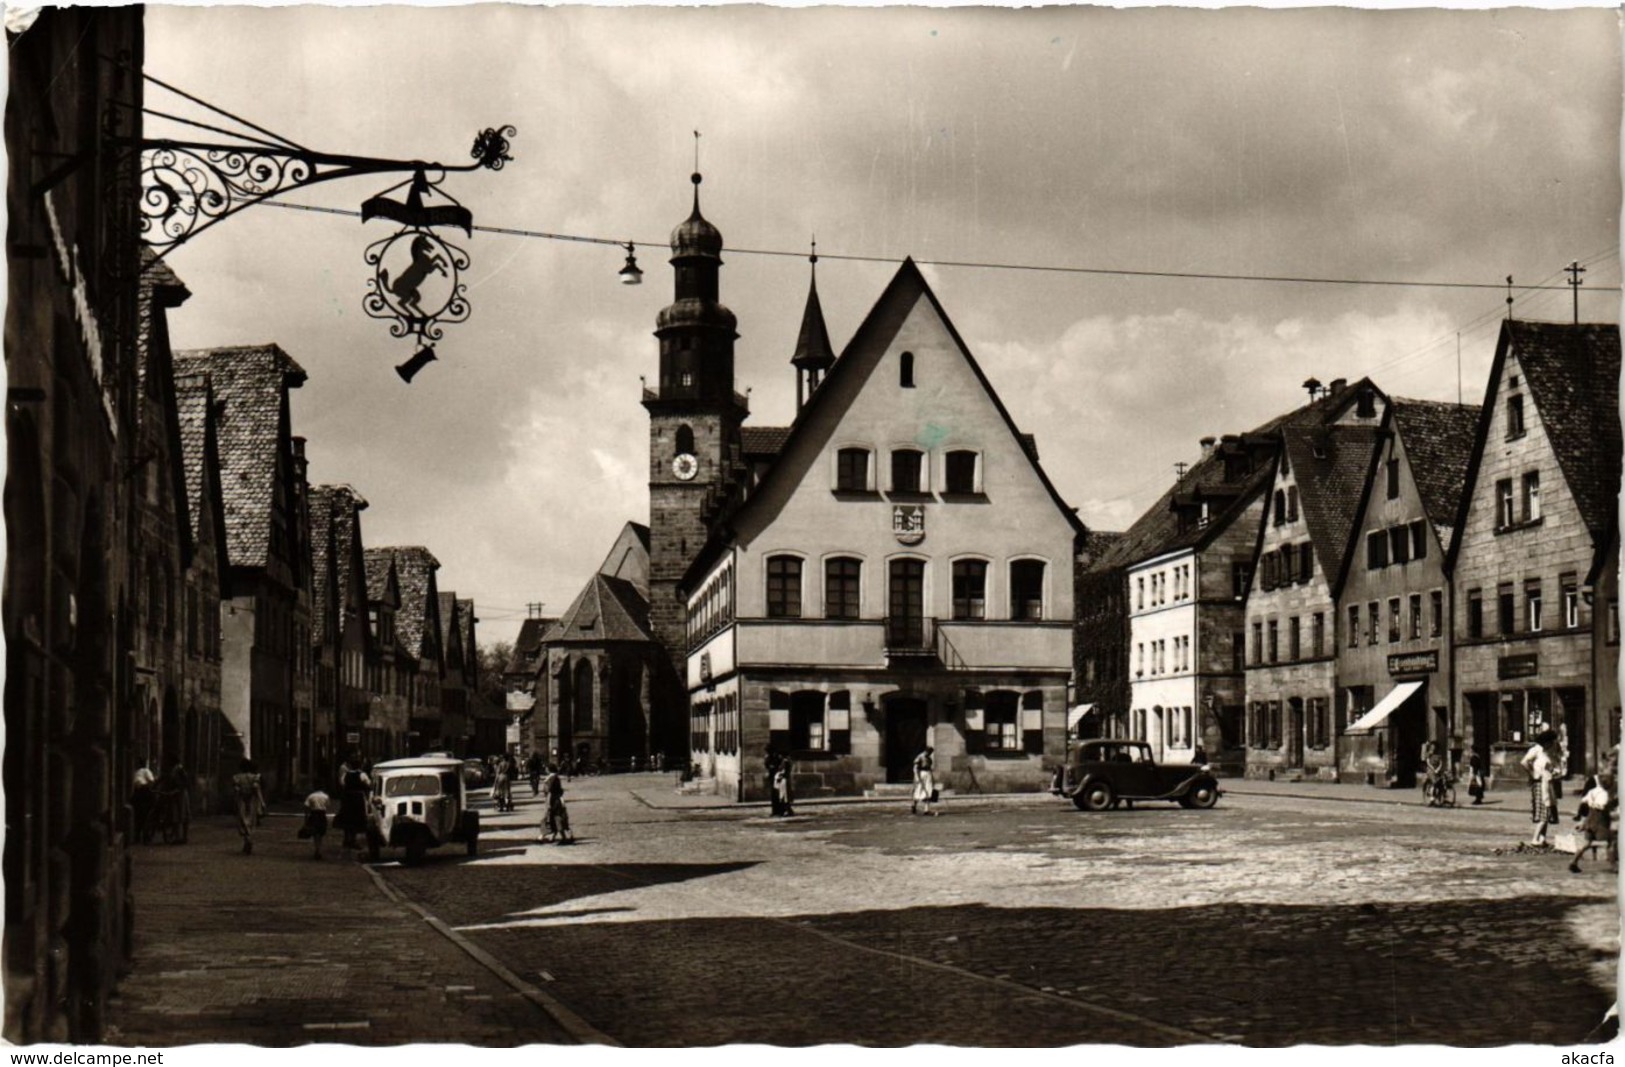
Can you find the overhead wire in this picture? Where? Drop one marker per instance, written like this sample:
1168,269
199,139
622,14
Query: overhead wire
1126,272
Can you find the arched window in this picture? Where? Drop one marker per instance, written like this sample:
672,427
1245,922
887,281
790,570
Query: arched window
842,578
906,370
685,440
583,693
970,589
783,587
1027,589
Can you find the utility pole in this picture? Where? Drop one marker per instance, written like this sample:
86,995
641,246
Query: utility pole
1574,270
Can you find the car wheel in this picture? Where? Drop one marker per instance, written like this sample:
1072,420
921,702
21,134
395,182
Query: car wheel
375,847
473,844
416,850
1202,795
1096,796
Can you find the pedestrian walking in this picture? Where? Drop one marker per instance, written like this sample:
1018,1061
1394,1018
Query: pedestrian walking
1593,818
142,799
247,800
315,825
556,823
534,767
1541,762
172,795
925,782
770,766
781,787
502,786
1475,778
354,790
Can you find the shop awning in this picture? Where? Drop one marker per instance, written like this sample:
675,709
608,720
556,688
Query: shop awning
1076,715
1385,707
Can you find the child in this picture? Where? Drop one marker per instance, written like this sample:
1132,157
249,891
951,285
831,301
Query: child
1475,778
316,819
1593,817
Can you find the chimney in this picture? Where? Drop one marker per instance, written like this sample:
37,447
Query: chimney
1336,386
1207,445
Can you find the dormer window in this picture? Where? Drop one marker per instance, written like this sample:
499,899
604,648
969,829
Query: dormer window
905,376
1367,406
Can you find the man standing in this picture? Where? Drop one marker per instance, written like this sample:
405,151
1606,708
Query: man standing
771,762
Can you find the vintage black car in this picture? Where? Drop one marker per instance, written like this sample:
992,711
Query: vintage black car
1104,773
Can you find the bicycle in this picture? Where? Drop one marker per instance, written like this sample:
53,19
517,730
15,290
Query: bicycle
1440,791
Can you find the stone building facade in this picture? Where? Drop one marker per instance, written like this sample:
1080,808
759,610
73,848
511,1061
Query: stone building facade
71,421
1535,525
264,632
1320,473
1395,660
205,750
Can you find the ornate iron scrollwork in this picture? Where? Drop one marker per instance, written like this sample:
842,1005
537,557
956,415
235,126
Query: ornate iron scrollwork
184,189
417,282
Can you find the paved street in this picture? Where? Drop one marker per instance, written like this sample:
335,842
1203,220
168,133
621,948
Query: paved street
1274,919
1270,920
276,949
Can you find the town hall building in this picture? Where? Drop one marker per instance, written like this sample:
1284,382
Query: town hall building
893,570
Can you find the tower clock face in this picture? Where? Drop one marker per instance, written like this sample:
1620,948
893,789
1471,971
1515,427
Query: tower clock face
685,466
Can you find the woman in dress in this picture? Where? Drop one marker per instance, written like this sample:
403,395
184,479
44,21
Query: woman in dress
925,782
1544,767
502,784
247,800
354,789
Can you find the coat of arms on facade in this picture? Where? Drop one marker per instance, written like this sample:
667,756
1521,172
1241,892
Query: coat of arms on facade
908,523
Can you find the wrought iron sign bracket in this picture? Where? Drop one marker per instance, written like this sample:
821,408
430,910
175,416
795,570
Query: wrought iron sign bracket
188,187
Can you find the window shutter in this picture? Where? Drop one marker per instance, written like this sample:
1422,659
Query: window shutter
975,723
1032,742
978,479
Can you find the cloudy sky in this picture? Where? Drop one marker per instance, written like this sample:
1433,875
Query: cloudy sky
1454,146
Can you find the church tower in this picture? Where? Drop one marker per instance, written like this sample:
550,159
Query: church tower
694,417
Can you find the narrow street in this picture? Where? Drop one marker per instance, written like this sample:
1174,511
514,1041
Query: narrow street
1269,920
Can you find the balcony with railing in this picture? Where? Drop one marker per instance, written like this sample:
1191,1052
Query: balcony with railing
911,640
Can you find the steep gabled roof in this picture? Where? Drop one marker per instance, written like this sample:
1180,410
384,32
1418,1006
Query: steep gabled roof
416,625
1573,375
1157,531
606,609
323,608
1438,441
251,382
382,581
200,451
906,288
348,506
1331,465
526,644
1572,372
